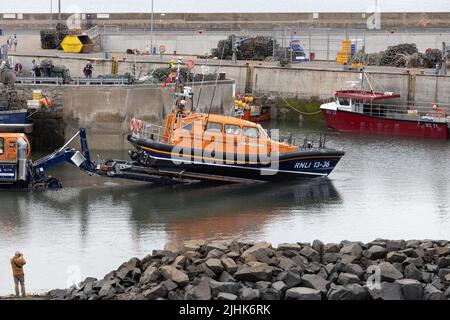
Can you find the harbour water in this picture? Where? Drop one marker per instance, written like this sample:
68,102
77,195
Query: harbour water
383,187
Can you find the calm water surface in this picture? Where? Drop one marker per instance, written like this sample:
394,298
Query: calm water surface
383,187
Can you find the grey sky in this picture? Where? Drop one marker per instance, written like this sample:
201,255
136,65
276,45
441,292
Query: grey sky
110,6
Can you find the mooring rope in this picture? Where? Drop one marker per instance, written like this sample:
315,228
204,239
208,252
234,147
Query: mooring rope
299,111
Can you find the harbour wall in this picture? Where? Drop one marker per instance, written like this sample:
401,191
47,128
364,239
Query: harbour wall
106,111
303,82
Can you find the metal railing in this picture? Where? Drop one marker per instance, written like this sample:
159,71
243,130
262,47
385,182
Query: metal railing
40,80
74,81
92,32
403,112
100,81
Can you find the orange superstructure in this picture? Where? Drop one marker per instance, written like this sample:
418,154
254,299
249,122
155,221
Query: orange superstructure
8,146
202,129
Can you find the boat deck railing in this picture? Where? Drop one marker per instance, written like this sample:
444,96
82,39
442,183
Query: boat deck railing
308,142
150,131
404,112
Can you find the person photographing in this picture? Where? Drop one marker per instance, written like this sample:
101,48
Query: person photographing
17,263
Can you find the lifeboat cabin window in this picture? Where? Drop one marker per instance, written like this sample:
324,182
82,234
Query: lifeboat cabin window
250,132
187,127
2,146
214,127
232,129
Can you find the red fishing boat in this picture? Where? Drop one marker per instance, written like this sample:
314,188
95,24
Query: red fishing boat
377,113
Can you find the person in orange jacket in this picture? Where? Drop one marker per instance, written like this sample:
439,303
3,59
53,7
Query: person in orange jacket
17,263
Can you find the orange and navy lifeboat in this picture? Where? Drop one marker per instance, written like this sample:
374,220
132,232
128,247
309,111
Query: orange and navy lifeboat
221,146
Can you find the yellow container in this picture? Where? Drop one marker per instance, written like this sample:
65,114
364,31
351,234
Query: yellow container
37,94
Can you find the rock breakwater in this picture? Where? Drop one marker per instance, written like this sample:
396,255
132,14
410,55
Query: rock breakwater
199,270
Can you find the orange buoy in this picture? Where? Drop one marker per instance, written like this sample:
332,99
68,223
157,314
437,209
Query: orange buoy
138,125
133,124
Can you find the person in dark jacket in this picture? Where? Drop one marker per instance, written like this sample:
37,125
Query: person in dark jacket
88,70
17,263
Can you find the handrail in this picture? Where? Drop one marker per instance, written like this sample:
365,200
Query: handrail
40,80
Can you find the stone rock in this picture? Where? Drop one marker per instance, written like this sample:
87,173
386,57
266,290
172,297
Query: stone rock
159,254
127,268
395,245
292,278
447,293
431,293
331,257
169,285
310,254
229,265
107,291
353,249
280,286
323,273
375,252
289,246
254,271
411,289
249,294
172,273
347,278
443,262
271,294
193,245
156,292
388,272
386,291
442,251
395,257
331,248
301,293
412,272
350,268
151,274
215,254
286,263
215,265
227,287
418,262
191,255
57,294
318,246
443,272
348,292
226,277
216,246
172,295
431,267
255,247
179,262
410,252
202,291
315,282
226,296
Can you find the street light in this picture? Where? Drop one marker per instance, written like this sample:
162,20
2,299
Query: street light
151,31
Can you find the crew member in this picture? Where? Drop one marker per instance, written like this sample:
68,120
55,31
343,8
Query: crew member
17,263
439,111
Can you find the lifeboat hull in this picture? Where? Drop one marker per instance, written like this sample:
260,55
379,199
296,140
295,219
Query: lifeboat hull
303,164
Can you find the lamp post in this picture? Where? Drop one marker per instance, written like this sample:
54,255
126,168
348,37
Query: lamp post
151,30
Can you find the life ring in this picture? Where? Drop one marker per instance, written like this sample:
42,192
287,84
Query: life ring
133,124
162,48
